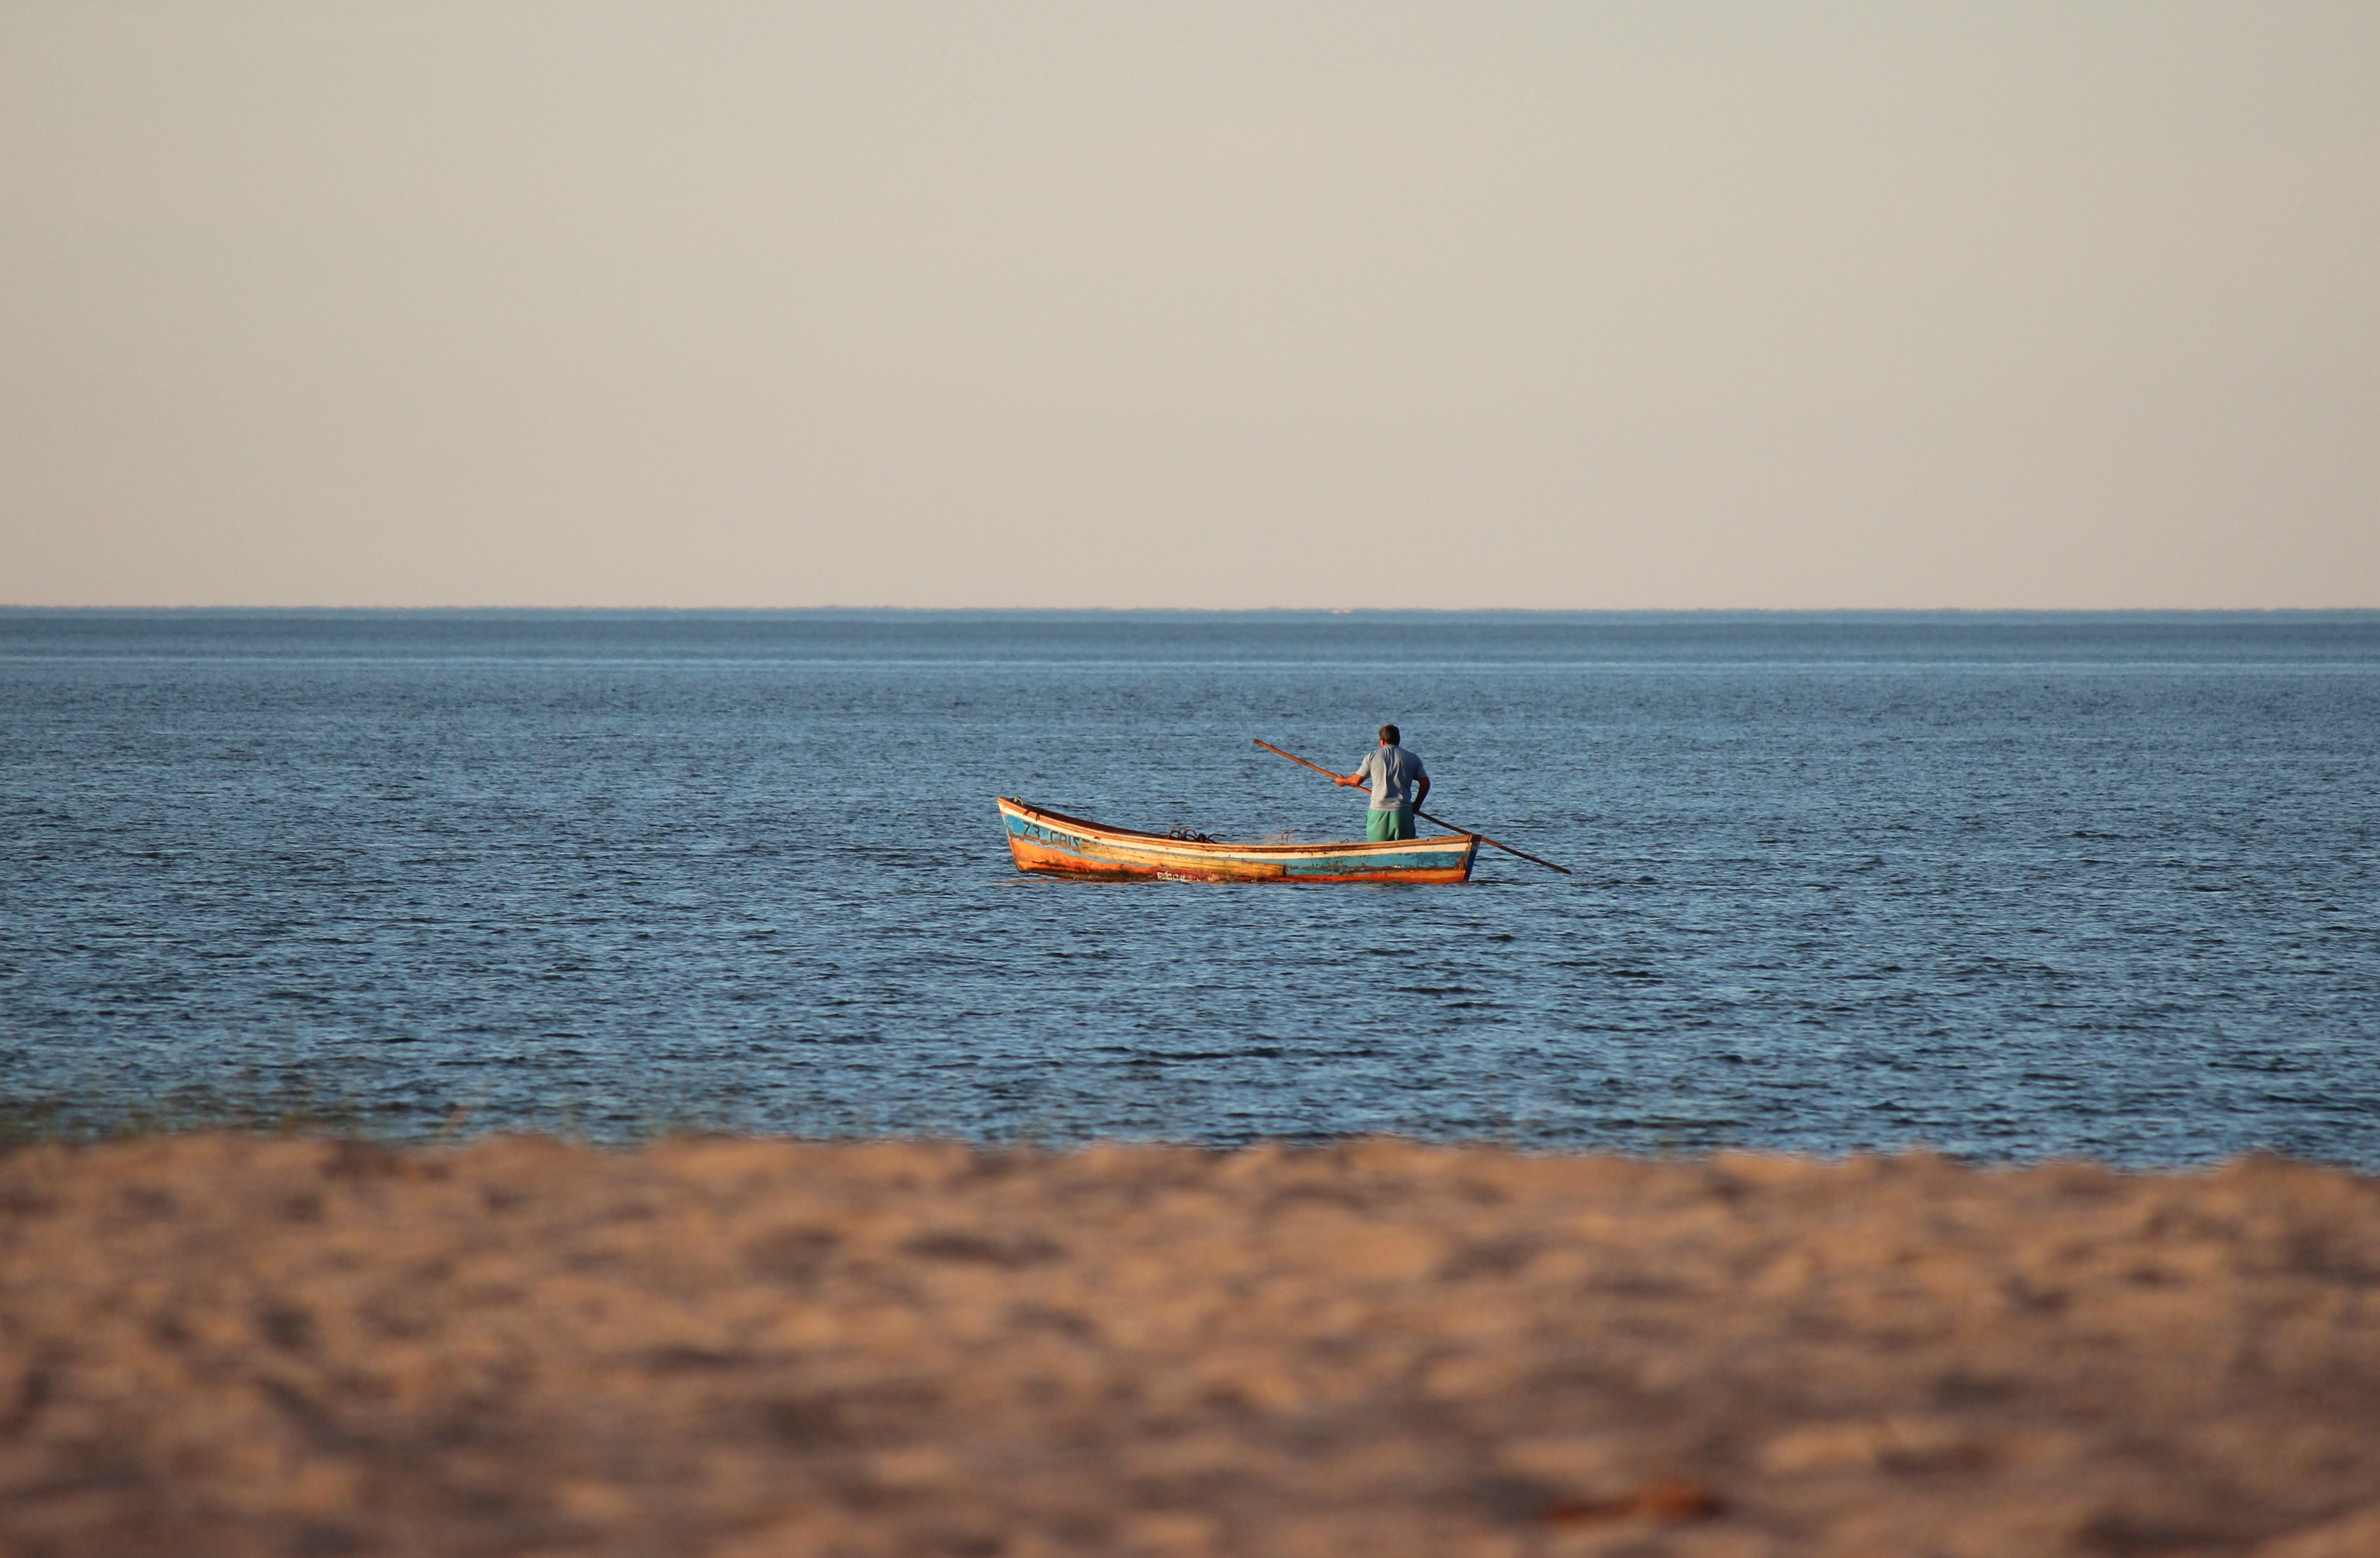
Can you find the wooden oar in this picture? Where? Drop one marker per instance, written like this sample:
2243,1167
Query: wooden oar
1441,822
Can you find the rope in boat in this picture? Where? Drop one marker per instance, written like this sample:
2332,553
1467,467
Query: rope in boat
1186,836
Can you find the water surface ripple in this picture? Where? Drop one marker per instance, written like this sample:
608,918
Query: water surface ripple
2011,886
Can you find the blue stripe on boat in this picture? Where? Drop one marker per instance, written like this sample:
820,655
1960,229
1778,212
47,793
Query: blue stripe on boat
1338,865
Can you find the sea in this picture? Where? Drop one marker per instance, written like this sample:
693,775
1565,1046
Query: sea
2009,887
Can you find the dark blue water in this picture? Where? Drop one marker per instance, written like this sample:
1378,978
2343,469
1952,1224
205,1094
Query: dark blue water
2008,886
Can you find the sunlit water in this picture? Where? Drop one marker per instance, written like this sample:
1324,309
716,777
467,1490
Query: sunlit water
2007,886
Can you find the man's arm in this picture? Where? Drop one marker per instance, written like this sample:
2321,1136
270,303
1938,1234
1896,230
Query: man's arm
1421,791
1356,777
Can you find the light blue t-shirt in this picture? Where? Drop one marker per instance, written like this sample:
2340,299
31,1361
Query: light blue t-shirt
1392,770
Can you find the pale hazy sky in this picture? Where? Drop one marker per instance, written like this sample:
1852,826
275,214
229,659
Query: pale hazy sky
2026,304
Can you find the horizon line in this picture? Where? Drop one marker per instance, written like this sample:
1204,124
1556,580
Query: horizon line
18,608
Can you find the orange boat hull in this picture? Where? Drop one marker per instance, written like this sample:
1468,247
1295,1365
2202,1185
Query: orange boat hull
1054,843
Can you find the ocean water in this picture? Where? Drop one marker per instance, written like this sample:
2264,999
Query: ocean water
2006,886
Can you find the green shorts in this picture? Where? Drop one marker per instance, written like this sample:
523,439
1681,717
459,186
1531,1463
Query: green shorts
1381,825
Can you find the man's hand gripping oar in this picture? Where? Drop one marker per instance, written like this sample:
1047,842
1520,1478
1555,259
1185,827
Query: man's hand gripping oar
1348,779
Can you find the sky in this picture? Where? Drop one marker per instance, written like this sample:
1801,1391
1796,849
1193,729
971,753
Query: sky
2021,305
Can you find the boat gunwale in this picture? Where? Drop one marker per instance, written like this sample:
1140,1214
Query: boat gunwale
1134,837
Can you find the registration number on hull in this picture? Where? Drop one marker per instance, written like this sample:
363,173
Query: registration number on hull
1040,834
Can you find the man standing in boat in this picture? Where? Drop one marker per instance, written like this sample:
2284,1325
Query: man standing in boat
1399,783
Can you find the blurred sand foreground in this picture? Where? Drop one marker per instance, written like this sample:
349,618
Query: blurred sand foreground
216,1345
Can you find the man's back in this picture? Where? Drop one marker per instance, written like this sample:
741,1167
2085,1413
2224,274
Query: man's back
1391,771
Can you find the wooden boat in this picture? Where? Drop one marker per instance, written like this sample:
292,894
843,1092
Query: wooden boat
1051,841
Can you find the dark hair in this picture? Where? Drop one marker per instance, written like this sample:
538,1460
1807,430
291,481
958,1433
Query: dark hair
1390,735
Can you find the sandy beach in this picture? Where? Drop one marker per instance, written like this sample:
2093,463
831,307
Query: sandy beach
220,1345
